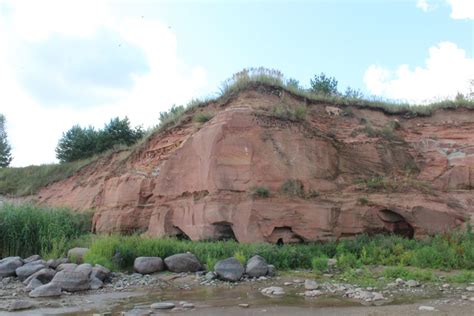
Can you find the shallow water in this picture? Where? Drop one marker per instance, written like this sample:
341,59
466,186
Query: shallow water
214,300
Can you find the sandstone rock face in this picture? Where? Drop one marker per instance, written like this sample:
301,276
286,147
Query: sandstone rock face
357,175
147,265
183,262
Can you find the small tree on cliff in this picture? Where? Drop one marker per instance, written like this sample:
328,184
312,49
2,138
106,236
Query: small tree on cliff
322,84
5,148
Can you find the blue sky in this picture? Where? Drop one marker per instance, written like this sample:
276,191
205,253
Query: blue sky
84,62
301,38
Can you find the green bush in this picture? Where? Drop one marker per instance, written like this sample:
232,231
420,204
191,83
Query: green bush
5,148
323,85
319,264
259,192
26,230
202,117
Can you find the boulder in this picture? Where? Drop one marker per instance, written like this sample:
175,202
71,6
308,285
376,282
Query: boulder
66,267
71,281
256,267
84,268
32,258
147,265
271,270
54,263
46,290
76,255
100,272
44,276
229,269
9,265
95,283
310,285
183,262
28,269
34,283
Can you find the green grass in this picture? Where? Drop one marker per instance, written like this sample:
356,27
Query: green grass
26,230
203,117
28,180
447,252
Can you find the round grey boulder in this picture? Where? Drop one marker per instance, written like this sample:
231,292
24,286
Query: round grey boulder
183,262
9,265
256,267
71,281
76,255
32,258
229,269
148,265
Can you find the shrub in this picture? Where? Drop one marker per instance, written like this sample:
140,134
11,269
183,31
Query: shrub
239,255
319,264
26,230
363,201
323,85
202,117
260,192
172,116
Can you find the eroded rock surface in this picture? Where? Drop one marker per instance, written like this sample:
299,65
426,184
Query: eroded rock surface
361,172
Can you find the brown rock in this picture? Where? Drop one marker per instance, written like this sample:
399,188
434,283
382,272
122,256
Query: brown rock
193,181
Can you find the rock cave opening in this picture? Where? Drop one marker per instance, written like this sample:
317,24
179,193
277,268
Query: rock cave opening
224,231
284,235
396,224
179,234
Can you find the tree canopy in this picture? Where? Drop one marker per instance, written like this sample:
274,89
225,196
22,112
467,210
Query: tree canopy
80,143
5,148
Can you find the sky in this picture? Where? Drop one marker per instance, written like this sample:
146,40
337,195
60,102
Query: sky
84,62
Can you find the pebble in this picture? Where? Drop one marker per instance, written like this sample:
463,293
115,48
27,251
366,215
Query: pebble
162,305
412,283
310,285
470,289
273,290
426,308
244,305
312,293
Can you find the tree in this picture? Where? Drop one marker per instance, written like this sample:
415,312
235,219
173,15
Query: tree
79,143
5,148
321,84
118,132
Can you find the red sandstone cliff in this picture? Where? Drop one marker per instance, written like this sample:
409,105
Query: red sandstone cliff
361,171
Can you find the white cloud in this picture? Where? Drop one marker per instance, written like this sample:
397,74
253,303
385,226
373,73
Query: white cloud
462,9
446,72
34,127
424,5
